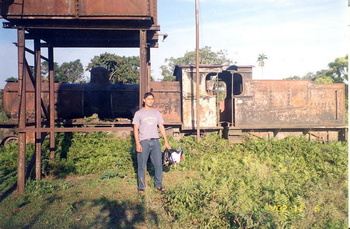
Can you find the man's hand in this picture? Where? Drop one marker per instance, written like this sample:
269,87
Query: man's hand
138,148
136,136
167,146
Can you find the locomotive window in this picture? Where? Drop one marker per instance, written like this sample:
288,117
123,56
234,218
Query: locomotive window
237,84
215,86
221,90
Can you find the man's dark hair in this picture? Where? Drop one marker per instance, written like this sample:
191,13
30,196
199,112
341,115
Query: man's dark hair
145,96
148,94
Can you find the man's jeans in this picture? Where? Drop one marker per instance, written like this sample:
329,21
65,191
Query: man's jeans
152,148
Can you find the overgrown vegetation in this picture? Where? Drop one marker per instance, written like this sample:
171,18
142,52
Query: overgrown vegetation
337,72
290,183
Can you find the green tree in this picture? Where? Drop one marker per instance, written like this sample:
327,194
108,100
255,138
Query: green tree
71,72
45,69
292,78
324,79
67,72
122,69
323,76
339,69
261,62
10,79
207,56
337,72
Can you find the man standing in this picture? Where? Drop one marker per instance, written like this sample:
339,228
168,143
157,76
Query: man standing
146,122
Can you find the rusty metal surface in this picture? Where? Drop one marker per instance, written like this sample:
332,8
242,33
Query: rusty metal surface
108,102
111,101
144,63
22,111
324,134
51,103
168,100
11,100
72,9
113,7
289,103
38,109
77,100
208,110
263,103
72,23
75,129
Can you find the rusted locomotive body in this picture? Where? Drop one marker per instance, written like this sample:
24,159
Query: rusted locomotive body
231,102
74,101
263,108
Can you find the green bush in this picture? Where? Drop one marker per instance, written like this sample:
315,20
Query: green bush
86,153
8,164
262,184
289,183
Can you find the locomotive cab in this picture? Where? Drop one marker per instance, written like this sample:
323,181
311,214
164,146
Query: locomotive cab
231,101
216,96
233,86
226,85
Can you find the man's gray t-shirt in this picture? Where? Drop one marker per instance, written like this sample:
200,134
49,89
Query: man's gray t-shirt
148,121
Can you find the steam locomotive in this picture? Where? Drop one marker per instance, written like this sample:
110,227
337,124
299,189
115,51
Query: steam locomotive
230,102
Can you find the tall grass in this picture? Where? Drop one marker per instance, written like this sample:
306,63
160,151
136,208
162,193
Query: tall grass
290,183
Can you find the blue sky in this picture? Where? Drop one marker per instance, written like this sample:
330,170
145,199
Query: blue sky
297,36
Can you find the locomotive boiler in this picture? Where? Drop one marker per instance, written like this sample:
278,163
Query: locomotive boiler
230,102
79,100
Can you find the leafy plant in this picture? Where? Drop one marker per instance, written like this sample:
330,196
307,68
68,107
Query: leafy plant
262,184
289,183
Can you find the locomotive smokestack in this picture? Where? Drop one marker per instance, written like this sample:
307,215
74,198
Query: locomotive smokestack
99,77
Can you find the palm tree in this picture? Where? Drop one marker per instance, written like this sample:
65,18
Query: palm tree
261,62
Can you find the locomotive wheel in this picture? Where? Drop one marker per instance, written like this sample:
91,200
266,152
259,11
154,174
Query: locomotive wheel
10,140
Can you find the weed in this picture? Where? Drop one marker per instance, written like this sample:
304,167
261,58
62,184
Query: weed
71,208
289,183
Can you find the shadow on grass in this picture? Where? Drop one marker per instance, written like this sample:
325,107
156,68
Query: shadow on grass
8,192
123,214
97,213
48,202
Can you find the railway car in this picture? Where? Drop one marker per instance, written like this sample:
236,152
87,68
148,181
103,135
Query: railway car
230,99
230,102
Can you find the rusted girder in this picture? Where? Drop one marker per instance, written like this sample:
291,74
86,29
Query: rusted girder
22,112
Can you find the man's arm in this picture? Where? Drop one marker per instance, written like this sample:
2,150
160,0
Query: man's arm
162,132
137,141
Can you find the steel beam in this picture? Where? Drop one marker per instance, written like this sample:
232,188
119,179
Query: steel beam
38,119
51,102
144,76
73,129
22,112
198,106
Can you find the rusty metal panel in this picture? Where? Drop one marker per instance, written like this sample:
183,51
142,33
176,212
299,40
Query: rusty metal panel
84,100
10,94
114,7
168,100
11,99
38,8
73,101
289,103
246,71
208,110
